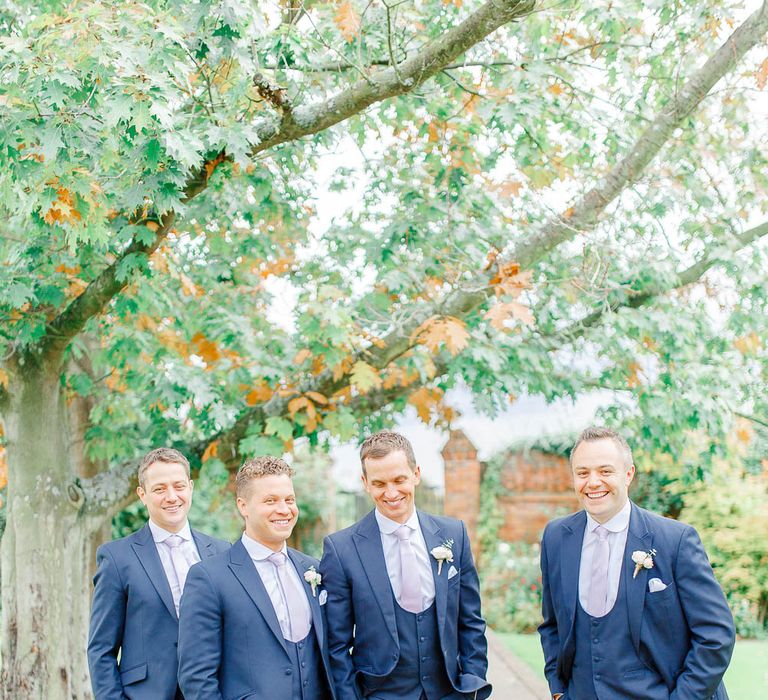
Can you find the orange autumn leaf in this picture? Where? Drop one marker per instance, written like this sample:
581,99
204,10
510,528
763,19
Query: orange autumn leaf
502,312
259,394
762,75
3,469
63,209
295,405
347,20
76,287
633,377
747,344
510,188
301,356
317,397
152,226
70,271
3,382
114,383
424,400
211,451
443,330
556,89
188,287
207,349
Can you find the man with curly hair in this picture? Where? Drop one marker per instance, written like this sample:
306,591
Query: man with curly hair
251,622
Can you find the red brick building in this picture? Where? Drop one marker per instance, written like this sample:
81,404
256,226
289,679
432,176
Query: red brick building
536,488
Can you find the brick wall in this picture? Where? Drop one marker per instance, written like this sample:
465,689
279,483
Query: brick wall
537,487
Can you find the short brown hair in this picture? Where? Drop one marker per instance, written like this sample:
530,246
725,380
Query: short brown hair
385,442
166,455
594,433
256,468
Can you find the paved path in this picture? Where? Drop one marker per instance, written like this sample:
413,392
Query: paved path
512,678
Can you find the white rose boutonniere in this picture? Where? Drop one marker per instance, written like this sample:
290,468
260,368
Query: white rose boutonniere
442,553
313,579
643,560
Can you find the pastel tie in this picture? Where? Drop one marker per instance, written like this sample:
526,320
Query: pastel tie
180,567
410,583
598,585
294,624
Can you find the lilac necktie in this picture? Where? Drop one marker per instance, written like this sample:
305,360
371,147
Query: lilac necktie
294,625
598,584
180,567
410,583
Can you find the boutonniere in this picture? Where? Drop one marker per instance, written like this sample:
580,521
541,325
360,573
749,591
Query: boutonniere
442,553
643,560
313,579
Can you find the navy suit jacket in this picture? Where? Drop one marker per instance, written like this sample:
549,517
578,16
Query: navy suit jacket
361,613
133,614
230,642
684,632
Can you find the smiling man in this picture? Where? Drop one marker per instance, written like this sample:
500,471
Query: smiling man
138,585
251,619
631,607
403,595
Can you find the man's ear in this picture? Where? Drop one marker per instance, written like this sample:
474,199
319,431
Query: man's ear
141,494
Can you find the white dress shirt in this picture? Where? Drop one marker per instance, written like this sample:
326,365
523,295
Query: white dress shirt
188,550
618,527
268,573
390,543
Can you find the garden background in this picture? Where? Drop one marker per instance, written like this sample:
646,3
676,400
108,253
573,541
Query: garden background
270,227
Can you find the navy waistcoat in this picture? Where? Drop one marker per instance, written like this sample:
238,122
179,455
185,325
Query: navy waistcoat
420,668
606,665
307,665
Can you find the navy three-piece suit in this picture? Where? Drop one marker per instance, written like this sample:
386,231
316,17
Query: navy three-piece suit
672,644
230,642
379,650
133,614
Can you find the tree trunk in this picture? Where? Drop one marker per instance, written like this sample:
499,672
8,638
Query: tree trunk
45,547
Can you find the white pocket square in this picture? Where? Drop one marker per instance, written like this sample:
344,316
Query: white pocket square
452,572
655,585
323,599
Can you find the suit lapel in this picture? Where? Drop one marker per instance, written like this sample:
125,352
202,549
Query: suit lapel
639,537
302,564
434,537
244,569
367,541
570,561
146,551
204,545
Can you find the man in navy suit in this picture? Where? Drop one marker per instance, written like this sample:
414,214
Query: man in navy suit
138,584
251,621
630,604
403,595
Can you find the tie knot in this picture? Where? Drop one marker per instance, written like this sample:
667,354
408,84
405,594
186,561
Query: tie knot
278,559
403,533
174,541
601,532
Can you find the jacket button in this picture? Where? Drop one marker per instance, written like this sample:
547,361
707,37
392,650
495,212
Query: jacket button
288,671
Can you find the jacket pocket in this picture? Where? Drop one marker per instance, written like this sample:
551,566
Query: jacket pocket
133,675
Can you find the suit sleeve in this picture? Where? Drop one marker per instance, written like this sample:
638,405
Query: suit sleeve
709,621
550,640
200,637
105,635
341,622
473,646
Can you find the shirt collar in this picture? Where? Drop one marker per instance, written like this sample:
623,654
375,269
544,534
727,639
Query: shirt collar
161,535
618,523
388,526
258,551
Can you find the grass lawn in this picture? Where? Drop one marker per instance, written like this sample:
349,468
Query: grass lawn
746,678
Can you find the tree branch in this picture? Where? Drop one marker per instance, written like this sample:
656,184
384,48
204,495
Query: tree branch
582,216
640,297
293,124
406,76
